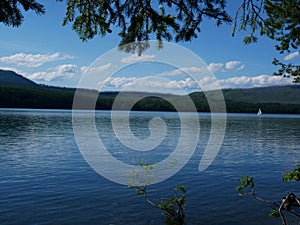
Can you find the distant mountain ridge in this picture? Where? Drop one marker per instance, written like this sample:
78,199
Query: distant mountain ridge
288,94
17,91
11,78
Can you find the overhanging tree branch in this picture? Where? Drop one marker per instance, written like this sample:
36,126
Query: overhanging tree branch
12,15
288,202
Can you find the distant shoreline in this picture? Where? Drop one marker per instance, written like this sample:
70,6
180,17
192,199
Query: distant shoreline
236,101
17,91
141,111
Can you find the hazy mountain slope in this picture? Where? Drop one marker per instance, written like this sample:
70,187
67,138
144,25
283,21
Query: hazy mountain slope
12,79
275,94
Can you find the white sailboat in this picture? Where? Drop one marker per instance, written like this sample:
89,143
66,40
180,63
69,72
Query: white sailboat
259,112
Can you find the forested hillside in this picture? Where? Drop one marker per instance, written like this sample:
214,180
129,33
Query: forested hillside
19,92
10,78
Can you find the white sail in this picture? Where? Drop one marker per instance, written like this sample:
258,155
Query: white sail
259,112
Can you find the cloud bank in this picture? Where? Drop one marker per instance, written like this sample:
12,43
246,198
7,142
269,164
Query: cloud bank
174,81
33,60
63,72
189,85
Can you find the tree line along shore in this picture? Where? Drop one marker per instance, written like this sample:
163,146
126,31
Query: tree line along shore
281,99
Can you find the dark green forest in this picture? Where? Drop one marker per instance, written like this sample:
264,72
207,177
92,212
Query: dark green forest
237,100
17,91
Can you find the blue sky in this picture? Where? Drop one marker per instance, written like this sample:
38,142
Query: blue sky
44,51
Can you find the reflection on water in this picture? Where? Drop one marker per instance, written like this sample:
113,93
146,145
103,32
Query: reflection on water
44,179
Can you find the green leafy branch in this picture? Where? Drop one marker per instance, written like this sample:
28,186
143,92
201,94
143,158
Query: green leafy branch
287,70
277,19
288,202
292,175
173,208
247,183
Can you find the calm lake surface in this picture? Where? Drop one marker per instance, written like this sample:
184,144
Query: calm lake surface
45,180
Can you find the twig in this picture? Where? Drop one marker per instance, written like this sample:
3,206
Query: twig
281,213
287,202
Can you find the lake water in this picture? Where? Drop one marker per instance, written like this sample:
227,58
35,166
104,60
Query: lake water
45,180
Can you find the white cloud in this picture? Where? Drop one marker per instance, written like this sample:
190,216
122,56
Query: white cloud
257,81
231,65
214,67
122,81
64,71
95,69
209,83
240,67
228,66
33,60
170,73
117,82
136,58
162,85
84,69
183,71
187,85
291,56
149,84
